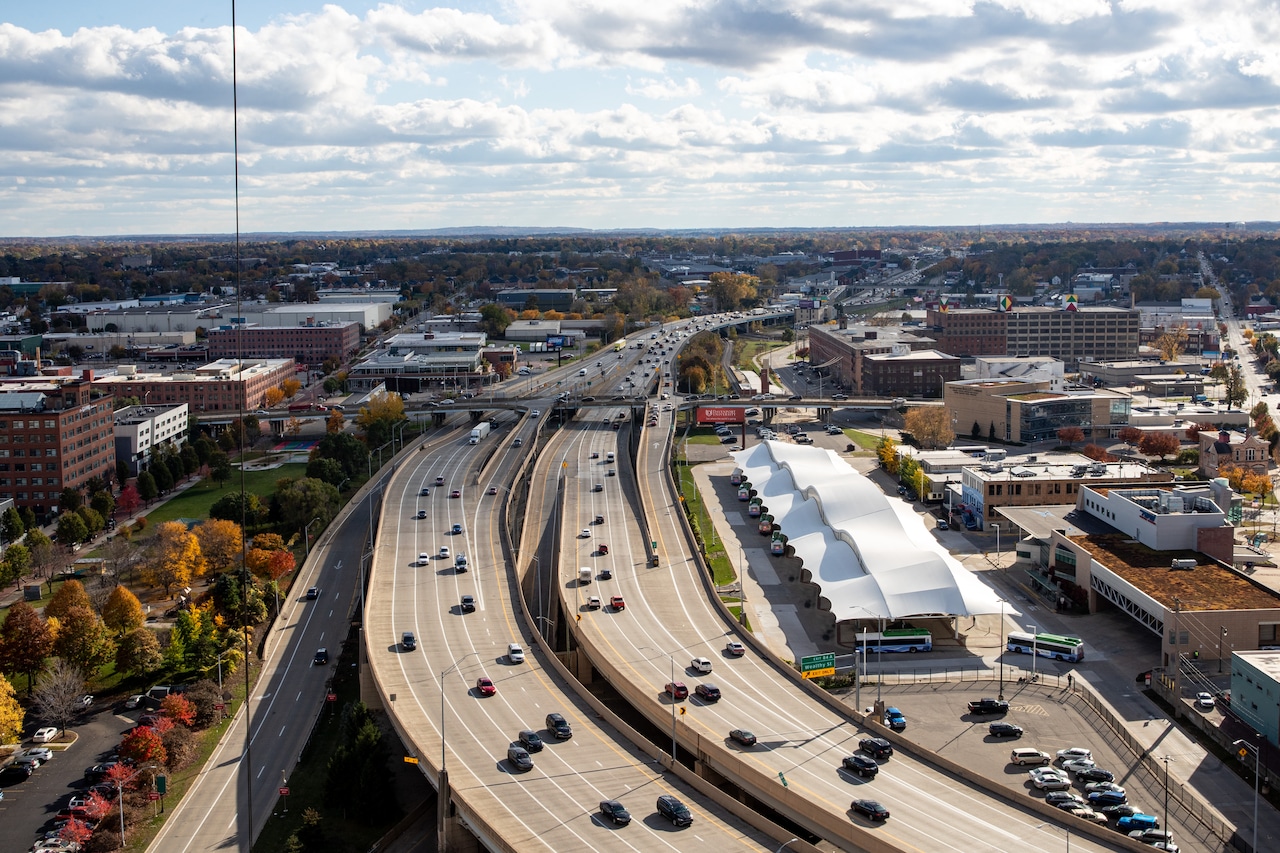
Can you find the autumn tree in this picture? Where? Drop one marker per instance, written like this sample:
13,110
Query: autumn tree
273,397
383,411
83,641
129,499
1097,453
887,453
175,557
178,708
931,426
144,746
730,289
138,652
70,594
221,544
335,422
1158,444
25,641
1070,435
1193,431
1172,343
1130,435
290,387
123,612
12,714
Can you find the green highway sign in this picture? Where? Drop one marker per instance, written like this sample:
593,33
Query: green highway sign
818,666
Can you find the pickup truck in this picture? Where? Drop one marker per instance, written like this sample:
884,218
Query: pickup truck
988,706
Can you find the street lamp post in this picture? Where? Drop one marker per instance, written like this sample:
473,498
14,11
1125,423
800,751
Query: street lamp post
997,527
1242,746
1166,759
1000,695
1034,650
306,537
1065,829
120,795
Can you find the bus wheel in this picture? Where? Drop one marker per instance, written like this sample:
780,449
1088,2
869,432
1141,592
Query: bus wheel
912,650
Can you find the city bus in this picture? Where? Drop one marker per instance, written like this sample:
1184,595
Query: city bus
895,640
1053,646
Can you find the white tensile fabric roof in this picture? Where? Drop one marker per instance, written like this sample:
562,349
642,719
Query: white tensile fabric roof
872,556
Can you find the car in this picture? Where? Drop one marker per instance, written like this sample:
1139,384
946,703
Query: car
558,726
676,690
1095,774
1204,701
422,513
860,764
1074,752
313,593
988,706
871,809
603,549
598,487
1060,798
1029,755
1096,787
615,812
519,758
533,413
48,733
423,492
530,740
423,558
456,493
485,686
455,529
585,533
408,642
1049,779
700,664
1167,846
1137,820
440,480
617,603
942,525
493,490
876,747
1078,765
743,737
1151,836
593,602
132,702
1107,798
39,753
460,563
606,573
1122,810
1086,813
707,692
796,397
734,649
674,810
321,657
1004,730
468,603
149,720
839,396
895,719
519,442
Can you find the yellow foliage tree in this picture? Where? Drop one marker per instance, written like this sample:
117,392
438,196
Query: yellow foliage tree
931,426
11,713
123,612
175,557
273,397
731,289
377,417
887,451
293,426
220,544
335,422
291,387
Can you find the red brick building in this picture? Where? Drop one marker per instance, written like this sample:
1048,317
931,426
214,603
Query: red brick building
303,344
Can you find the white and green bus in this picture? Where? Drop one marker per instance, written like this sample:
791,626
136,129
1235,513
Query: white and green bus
1053,646
895,640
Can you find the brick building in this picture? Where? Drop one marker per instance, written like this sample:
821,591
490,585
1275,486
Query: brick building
844,352
55,432
303,344
226,385
1101,334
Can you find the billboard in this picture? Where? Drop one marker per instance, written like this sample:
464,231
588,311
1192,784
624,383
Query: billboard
721,415
807,303
557,341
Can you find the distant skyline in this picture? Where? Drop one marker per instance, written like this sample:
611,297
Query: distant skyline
361,116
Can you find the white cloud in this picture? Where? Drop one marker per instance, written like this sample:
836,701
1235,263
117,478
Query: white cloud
665,89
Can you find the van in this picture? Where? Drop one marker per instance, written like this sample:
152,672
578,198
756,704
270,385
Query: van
608,457
1028,755
584,575
582,372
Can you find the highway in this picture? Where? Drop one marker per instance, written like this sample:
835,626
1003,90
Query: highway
554,806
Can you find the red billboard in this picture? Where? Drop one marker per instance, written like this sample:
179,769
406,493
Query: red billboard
721,415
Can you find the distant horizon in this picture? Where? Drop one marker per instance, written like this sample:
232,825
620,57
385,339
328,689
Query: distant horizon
399,116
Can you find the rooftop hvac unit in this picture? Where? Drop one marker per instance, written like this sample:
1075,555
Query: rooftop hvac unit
1184,564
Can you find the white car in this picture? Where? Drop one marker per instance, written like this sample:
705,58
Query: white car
1048,779
586,533
1073,752
1204,701
134,701
423,558
515,653
45,734
700,664
1078,764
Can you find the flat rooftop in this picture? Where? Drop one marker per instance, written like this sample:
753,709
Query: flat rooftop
1208,586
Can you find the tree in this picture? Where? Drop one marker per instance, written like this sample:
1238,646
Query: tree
144,746
41,548
345,449
178,708
180,745
273,397
731,289
304,499
336,422
162,476
204,449
17,559
221,543
1158,444
70,594
290,387
379,415
887,453
71,529
495,319
1235,391
1172,343
1070,434
122,471
931,426
93,522
1129,435
190,461
204,694
138,652
1193,431
129,499
123,612
328,470
102,503
70,499
219,467
237,505
11,713
57,699
175,557
83,640
147,489
1097,453
11,526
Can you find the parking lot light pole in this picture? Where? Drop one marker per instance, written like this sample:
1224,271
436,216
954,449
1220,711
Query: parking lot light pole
1034,650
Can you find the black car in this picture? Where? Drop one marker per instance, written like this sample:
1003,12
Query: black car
988,706
529,740
1095,774
707,692
322,657
468,603
1062,798
616,812
559,726
870,808
795,397
876,747
674,810
1004,730
743,737
1122,810
860,764
519,758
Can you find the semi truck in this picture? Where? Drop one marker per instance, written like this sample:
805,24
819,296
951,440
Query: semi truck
481,430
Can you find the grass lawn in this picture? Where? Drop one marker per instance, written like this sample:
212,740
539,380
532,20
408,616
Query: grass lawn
864,440
195,501
744,352
721,569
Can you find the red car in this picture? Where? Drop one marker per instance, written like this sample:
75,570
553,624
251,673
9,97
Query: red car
677,690
604,549
485,686
456,493
617,603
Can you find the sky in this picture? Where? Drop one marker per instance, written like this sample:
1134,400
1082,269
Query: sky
116,118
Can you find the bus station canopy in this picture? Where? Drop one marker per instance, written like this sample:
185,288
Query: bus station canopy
872,556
